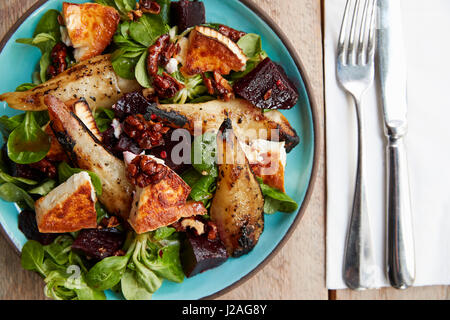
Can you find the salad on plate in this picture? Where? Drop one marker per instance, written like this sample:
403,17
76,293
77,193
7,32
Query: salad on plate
150,147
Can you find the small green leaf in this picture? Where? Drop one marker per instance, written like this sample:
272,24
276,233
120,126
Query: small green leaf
107,273
275,200
33,257
132,289
12,193
141,71
28,143
25,87
250,44
44,63
203,154
44,188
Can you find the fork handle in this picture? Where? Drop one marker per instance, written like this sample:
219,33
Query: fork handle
400,243
359,267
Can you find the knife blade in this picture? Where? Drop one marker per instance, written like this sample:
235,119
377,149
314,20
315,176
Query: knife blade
400,261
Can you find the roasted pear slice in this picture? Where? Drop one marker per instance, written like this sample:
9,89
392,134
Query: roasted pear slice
87,152
237,206
93,79
248,121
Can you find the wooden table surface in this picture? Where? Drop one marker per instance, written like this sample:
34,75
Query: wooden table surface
298,270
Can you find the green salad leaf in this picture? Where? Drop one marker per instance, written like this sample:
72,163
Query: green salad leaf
103,118
44,188
33,257
25,87
46,35
275,200
148,29
193,88
203,154
252,46
63,270
141,71
28,143
65,172
106,273
132,289
165,10
11,193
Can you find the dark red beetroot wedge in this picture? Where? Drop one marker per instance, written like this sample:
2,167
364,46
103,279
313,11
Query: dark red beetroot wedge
267,87
99,243
199,254
187,14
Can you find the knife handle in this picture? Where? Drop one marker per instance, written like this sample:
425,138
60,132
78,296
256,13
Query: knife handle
400,243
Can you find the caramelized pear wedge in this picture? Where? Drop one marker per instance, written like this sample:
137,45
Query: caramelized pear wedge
93,79
249,122
237,206
86,151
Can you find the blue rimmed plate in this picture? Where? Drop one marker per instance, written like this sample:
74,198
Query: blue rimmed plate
18,61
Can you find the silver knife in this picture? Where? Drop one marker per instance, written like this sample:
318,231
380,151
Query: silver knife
400,260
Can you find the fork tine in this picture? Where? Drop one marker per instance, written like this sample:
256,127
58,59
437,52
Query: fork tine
343,35
363,33
352,48
371,45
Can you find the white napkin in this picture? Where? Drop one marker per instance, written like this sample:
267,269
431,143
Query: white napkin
426,25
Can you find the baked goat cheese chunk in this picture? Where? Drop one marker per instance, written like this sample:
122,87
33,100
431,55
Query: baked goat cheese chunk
163,203
90,27
69,207
209,50
267,160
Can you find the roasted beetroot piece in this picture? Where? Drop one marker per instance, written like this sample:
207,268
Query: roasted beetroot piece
267,87
28,226
99,243
199,254
187,14
118,146
131,104
177,161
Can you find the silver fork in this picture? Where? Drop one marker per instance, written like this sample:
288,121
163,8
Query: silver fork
355,72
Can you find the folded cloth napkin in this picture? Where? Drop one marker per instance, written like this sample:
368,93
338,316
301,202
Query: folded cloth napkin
427,47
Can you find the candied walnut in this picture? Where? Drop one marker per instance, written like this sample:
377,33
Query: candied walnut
154,52
231,33
58,57
134,15
194,224
148,6
46,167
170,50
143,171
166,86
212,231
219,86
223,87
160,53
147,134
110,222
